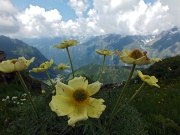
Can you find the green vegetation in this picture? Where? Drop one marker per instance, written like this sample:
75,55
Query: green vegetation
18,119
111,74
160,107
154,111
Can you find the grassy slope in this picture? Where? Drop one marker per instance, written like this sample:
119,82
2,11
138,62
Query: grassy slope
111,74
160,107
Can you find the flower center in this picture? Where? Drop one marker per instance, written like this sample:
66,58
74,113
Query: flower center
13,61
80,97
136,54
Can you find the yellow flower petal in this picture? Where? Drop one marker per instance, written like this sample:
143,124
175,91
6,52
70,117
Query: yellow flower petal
135,57
95,107
140,74
94,88
142,61
78,82
43,67
155,60
79,114
22,63
126,52
151,80
66,43
6,66
127,60
63,89
46,64
61,66
105,52
77,94
36,70
15,64
61,105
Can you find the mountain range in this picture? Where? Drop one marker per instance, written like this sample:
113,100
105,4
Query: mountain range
163,45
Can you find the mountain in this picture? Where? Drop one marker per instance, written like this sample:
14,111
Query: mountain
163,45
14,48
168,44
111,74
46,47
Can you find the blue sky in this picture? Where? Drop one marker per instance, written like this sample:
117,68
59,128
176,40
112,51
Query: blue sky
66,11
44,18
61,5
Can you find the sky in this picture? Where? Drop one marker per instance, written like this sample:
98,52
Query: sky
53,18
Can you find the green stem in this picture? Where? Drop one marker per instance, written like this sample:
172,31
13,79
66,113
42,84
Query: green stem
140,88
117,105
27,92
70,61
62,75
50,80
102,68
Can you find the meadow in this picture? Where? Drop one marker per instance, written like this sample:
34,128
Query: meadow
154,111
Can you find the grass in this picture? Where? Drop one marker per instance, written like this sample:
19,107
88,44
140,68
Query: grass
155,110
159,107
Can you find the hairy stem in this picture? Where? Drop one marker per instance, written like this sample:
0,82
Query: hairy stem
118,102
102,68
27,92
140,88
70,61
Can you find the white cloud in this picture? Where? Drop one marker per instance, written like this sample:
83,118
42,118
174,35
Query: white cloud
132,16
174,10
8,22
79,6
105,16
35,22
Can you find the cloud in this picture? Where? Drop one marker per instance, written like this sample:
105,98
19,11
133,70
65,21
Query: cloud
8,21
79,6
36,22
132,17
95,17
174,11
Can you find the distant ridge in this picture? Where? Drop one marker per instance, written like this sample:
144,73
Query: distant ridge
163,45
15,48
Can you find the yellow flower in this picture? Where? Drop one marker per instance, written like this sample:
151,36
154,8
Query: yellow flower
61,66
66,43
43,67
43,91
151,80
75,101
105,52
19,64
135,57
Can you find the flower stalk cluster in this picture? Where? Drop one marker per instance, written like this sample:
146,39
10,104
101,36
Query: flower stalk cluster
43,68
65,45
134,57
103,52
61,67
75,99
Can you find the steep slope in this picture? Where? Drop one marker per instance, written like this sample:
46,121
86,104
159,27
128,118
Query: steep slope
15,48
168,44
